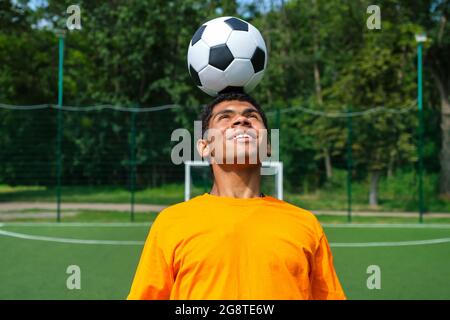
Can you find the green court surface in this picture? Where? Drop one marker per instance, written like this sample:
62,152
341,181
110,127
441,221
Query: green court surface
414,260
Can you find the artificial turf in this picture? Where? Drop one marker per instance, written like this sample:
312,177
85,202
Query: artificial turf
32,269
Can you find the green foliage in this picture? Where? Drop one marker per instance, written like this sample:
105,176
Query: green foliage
133,53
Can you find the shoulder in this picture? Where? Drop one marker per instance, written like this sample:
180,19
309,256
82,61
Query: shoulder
306,216
177,211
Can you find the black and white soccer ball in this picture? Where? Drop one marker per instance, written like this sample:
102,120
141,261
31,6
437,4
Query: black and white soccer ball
227,54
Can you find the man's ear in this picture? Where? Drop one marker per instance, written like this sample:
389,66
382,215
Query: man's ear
203,148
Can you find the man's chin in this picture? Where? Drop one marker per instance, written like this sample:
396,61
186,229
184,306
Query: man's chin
244,160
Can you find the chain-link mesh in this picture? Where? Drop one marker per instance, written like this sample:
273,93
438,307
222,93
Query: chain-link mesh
120,155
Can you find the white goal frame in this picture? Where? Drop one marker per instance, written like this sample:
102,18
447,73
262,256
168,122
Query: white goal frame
277,167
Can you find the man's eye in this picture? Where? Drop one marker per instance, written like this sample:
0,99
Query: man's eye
224,116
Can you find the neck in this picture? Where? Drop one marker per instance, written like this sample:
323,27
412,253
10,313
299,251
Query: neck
236,181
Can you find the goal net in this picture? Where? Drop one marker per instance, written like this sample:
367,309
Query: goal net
198,178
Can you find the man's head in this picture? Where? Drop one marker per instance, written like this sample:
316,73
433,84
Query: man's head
234,128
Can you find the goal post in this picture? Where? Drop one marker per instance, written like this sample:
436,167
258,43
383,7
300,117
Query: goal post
274,168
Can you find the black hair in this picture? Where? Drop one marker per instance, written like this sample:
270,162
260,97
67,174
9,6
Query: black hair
238,96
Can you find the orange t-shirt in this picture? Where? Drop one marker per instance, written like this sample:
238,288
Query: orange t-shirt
223,248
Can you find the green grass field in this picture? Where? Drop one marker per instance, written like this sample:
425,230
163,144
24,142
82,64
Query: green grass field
35,253
35,268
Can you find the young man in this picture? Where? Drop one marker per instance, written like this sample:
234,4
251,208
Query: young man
235,242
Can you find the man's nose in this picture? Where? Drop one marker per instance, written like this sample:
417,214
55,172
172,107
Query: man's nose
241,120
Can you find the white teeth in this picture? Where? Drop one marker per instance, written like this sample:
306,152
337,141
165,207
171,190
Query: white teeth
240,136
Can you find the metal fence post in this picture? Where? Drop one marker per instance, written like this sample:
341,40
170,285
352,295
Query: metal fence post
61,35
133,163
420,106
349,165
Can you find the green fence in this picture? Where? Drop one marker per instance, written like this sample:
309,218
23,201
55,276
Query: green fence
121,155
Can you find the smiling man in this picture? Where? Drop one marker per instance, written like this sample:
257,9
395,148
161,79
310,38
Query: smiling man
235,242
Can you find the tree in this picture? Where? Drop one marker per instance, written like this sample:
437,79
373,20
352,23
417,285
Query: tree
435,22
380,73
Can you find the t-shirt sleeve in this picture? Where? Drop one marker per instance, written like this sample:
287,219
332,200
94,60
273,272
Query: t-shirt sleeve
325,284
153,279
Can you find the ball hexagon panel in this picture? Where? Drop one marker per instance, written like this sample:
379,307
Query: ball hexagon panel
241,44
239,72
220,57
259,42
198,55
258,38
216,34
213,78
254,81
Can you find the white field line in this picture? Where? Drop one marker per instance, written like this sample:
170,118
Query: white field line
76,224
387,225
388,244
124,242
64,240
145,224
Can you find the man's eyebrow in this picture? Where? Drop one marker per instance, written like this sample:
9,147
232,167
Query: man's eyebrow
222,112
228,111
250,110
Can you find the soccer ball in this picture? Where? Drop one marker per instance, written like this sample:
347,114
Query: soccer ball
227,54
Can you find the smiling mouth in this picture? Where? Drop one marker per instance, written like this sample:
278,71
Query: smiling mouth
242,137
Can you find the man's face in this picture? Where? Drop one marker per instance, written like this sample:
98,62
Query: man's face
235,134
